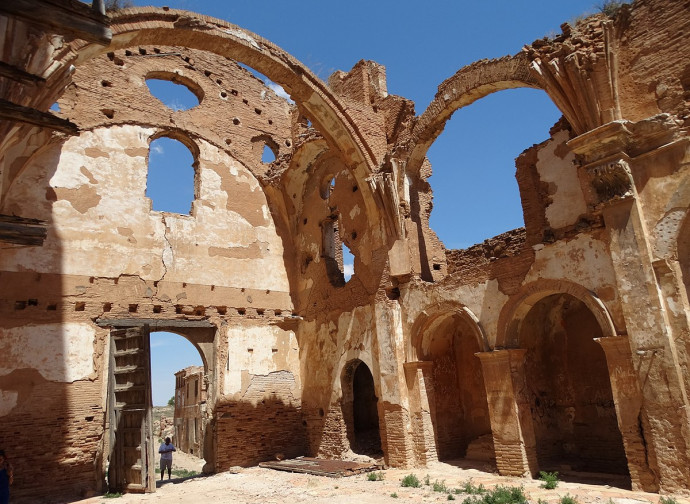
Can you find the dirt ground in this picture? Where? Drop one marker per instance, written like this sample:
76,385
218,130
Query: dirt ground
266,486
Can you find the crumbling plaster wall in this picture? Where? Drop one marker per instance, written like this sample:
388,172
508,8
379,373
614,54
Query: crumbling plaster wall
109,255
95,200
363,138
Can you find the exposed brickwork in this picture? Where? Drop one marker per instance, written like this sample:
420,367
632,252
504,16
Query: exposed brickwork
254,275
55,435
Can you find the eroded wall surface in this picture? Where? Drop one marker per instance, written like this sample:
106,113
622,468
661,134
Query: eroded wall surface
562,345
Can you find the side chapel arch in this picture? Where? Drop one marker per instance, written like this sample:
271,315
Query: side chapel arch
567,390
445,341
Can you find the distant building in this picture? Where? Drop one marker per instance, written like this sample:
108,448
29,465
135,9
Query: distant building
190,406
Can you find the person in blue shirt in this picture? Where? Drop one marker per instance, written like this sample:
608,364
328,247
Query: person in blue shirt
165,450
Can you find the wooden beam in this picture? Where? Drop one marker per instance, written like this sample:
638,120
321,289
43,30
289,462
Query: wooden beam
19,75
65,17
153,323
27,115
22,231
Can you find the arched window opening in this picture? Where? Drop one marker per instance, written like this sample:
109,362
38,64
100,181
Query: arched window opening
348,262
332,251
569,391
476,194
339,260
170,183
179,393
267,156
174,92
268,148
327,187
273,86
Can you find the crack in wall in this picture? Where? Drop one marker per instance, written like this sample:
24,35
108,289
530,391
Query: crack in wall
167,253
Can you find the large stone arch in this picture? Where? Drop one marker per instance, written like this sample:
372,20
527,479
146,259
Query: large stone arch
515,310
141,26
469,84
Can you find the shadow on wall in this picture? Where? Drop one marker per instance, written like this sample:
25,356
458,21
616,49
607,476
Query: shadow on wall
59,455
251,433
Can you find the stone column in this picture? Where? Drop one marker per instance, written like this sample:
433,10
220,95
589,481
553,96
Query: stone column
420,386
509,412
627,399
608,172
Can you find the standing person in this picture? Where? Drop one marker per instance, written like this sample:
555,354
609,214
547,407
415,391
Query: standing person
6,478
165,450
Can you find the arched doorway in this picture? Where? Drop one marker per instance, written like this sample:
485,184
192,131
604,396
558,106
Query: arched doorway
360,409
461,416
569,390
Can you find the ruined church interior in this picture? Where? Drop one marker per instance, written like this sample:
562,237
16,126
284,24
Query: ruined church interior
562,345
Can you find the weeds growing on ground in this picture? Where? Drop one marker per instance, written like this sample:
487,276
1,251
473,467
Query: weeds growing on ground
411,481
394,495
427,480
568,499
550,479
469,488
112,495
450,497
440,486
375,476
499,495
667,500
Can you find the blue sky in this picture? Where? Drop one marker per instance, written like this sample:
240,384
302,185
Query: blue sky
420,44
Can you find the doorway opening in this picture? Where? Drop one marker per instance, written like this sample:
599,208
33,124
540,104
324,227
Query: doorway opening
144,365
360,410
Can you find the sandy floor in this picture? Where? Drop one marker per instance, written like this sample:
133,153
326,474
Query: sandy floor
266,486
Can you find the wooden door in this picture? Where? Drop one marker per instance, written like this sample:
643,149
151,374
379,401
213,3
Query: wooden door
132,463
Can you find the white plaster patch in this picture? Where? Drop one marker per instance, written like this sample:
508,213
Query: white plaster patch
568,201
583,260
251,350
8,400
59,352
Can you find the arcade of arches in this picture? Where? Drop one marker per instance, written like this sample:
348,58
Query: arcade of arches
563,345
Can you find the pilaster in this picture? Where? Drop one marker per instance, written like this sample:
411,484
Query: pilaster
509,412
632,422
420,385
